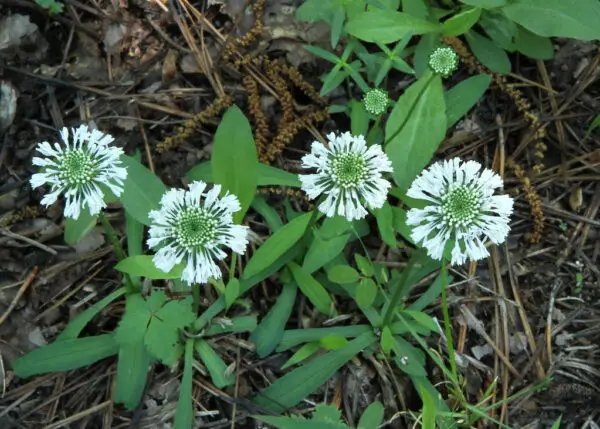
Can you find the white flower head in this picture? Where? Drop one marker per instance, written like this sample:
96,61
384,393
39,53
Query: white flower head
443,61
194,225
78,168
461,207
348,173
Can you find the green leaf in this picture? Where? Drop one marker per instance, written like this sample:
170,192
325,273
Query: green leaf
142,266
433,291
322,251
337,25
134,321
359,118
142,190
66,355
234,160
342,274
364,265
461,22
75,230
270,330
366,292
499,28
372,417
557,18
462,97
429,410
277,245
314,10
214,364
293,337
301,382
267,211
232,291
413,363
415,128
532,45
423,319
184,416
486,4
416,8
387,340
132,371
76,325
303,353
385,224
333,342
595,124
491,55
384,26
222,326
312,289
267,175
556,424
162,337
424,48
135,239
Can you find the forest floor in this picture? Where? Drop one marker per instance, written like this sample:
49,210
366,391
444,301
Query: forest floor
140,73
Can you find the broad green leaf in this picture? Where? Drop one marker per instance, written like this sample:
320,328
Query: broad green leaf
327,414
595,124
433,291
66,355
267,175
268,212
184,416
372,416
314,10
424,48
215,365
277,245
415,128
486,4
342,274
293,337
270,330
232,292
384,26
462,97
134,321
162,337
413,362
142,190
222,326
499,28
384,218
461,22
76,325
366,292
429,410
75,230
303,353
322,251
359,118
491,55
337,25
532,45
234,159
364,265
557,18
312,289
333,342
296,385
416,8
142,266
132,371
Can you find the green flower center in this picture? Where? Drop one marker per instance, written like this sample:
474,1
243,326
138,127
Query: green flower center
460,207
195,227
376,101
77,168
349,169
443,61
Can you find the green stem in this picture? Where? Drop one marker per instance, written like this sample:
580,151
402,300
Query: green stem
447,325
196,297
119,252
232,265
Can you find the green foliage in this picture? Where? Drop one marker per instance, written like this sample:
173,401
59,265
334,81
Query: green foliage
52,6
157,322
267,175
384,26
312,289
75,230
462,97
234,160
132,371
595,124
142,266
214,364
142,190
66,355
490,54
184,416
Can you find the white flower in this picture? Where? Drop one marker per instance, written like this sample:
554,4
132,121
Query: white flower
462,207
79,169
349,173
195,225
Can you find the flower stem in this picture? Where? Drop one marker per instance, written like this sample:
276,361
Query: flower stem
232,265
119,252
447,325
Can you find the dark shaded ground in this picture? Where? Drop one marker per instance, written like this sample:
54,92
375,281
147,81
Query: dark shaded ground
139,74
